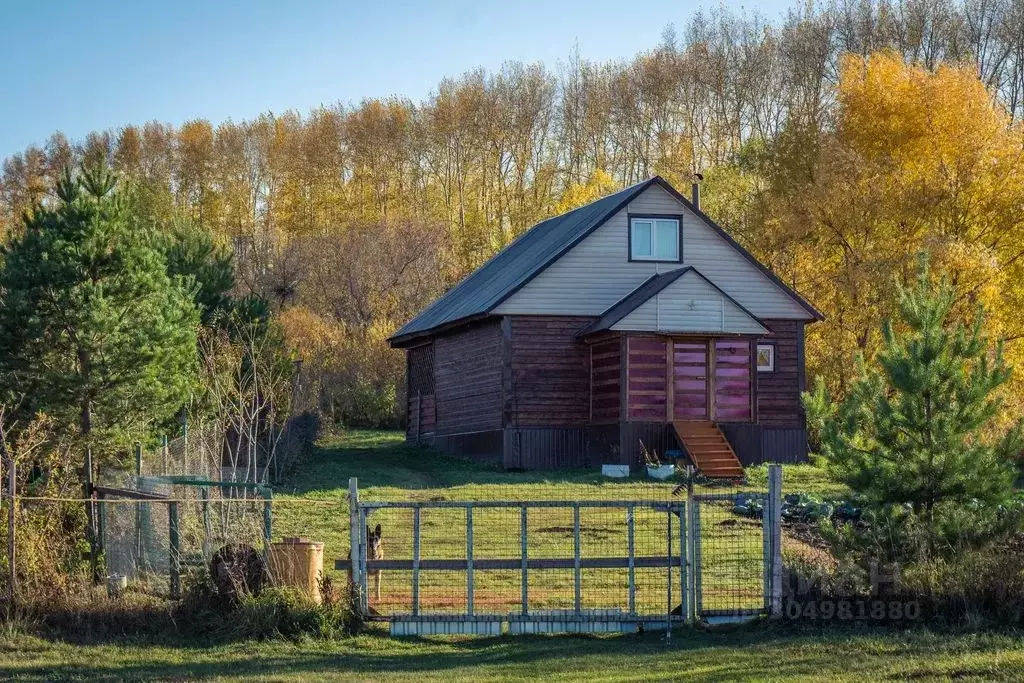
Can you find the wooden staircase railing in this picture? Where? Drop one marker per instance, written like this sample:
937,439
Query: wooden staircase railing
709,449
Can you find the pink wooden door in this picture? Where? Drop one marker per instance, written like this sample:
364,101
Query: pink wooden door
732,382
690,380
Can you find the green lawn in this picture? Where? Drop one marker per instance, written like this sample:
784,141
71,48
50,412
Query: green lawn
390,470
690,656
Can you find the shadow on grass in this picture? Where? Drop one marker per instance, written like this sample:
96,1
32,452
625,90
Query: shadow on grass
690,655
384,459
628,656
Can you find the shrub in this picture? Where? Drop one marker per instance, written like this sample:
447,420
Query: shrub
285,612
973,589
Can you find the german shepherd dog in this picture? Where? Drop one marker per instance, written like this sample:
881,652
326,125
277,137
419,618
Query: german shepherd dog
375,551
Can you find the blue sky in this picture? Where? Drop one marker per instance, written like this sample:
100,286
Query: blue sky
81,65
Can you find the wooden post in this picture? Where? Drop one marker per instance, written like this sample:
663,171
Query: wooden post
207,525
175,551
710,367
670,388
138,506
90,517
577,577
416,560
775,504
354,536
268,517
12,501
631,551
469,560
523,554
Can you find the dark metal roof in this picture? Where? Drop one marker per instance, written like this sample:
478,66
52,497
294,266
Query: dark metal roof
533,251
644,292
515,265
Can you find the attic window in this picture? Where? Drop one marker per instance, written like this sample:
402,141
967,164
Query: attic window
653,238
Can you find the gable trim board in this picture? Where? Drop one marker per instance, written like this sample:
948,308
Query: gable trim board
512,268
628,314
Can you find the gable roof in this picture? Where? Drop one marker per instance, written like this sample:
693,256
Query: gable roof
521,260
648,289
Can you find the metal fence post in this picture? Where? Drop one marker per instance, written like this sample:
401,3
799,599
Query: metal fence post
416,560
523,555
693,530
364,592
165,450
577,574
684,559
775,505
668,581
697,570
631,550
469,560
354,536
175,551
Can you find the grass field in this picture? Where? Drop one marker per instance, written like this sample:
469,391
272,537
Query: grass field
390,470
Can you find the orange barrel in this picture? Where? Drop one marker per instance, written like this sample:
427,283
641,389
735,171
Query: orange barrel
298,563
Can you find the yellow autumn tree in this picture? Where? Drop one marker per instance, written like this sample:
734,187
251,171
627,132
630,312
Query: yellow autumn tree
576,195
919,161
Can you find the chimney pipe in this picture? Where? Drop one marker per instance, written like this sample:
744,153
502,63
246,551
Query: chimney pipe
695,190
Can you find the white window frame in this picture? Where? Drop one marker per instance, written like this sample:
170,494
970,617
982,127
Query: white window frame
770,366
655,222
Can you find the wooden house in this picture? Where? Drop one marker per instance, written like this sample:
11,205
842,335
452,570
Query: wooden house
633,318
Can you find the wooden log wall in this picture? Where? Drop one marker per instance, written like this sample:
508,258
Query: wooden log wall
605,380
422,417
778,392
549,373
646,370
420,406
467,379
732,383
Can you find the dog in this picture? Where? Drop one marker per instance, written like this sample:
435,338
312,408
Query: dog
375,551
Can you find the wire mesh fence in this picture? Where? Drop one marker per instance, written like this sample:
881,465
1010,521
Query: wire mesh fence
527,557
642,550
160,532
214,452
704,551
732,554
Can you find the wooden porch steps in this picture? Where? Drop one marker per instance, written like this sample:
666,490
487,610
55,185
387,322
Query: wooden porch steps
709,449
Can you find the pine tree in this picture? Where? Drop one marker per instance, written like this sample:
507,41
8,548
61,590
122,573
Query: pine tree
193,255
916,434
92,327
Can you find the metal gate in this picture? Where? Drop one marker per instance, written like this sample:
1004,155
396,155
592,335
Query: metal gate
736,542
557,566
